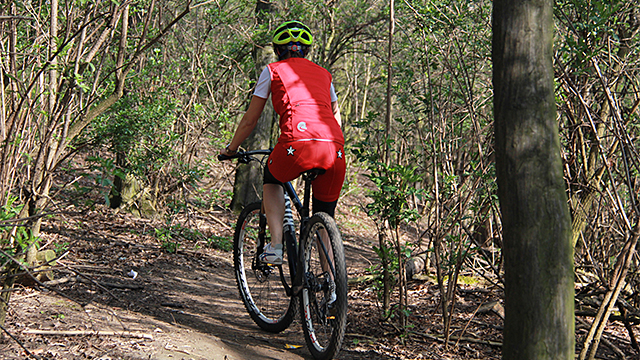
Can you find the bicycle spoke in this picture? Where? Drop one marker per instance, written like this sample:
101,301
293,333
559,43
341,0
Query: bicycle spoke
323,248
260,285
325,270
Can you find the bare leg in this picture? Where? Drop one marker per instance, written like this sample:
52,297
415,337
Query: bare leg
273,204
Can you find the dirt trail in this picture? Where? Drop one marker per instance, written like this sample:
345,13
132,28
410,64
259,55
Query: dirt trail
186,304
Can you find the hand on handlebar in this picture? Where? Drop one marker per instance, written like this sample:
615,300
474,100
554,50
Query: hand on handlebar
244,157
225,154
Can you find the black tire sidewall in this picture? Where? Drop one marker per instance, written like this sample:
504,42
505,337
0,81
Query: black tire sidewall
340,280
238,243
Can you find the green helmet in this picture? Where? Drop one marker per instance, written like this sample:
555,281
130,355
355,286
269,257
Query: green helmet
292,31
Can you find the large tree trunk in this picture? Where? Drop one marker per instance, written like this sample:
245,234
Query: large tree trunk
248,182
539,308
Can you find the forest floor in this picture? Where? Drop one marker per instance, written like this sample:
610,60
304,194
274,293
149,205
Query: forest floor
185,304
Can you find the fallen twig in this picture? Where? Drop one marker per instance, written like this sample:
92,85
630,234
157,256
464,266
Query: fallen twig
494,307
89,281
18,342
468,322
606,342
87,333
209,216
362,279
174,348
95,268
453,339
361,336
121,286
59,281
8,290
629,327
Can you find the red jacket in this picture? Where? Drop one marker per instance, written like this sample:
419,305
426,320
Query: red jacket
300,91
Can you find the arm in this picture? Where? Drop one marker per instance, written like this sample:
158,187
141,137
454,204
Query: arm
336,112
246,125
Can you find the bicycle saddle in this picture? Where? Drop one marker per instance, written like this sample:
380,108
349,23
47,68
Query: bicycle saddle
313,173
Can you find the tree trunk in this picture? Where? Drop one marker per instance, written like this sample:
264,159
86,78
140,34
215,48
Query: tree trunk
247,187
387,281
137,198
389,107
539,308
115,195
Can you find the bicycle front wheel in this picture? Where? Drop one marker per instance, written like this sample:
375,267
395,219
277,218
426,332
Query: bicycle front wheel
260,285
324,315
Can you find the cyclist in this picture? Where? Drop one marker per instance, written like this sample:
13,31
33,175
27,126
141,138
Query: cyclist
304,97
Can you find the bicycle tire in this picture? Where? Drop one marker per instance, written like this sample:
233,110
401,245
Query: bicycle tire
260,286
324,329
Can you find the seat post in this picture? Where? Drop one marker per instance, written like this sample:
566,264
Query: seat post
307,196
308,178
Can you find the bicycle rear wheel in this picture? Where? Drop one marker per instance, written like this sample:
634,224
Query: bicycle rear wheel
323,322
260,285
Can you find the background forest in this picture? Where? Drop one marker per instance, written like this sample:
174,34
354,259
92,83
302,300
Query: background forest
124,104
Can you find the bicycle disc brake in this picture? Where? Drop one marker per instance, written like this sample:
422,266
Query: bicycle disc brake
319,285
261,270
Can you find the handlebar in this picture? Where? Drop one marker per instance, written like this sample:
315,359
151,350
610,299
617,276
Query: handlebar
244,157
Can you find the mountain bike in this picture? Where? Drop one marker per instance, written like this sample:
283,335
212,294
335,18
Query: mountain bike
311,268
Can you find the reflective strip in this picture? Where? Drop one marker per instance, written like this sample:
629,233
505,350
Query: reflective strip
324,140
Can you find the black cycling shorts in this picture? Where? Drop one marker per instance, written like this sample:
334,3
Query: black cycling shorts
317,205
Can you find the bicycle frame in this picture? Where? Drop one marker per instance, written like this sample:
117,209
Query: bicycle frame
295,262
317,279
289,230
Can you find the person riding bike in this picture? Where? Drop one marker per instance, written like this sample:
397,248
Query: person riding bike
304,97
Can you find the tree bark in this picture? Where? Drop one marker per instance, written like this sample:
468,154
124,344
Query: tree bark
53,48
389,107
385,262
247,187
539,318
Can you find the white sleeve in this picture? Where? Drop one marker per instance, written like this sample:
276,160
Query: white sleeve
263,87
334,97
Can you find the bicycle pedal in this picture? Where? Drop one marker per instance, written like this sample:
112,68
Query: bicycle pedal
332,311
272,263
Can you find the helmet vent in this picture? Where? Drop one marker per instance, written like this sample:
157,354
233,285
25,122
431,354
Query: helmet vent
292,31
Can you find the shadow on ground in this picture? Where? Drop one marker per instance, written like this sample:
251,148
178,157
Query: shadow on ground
185,303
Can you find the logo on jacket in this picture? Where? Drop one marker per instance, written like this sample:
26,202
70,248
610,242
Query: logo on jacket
302,126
